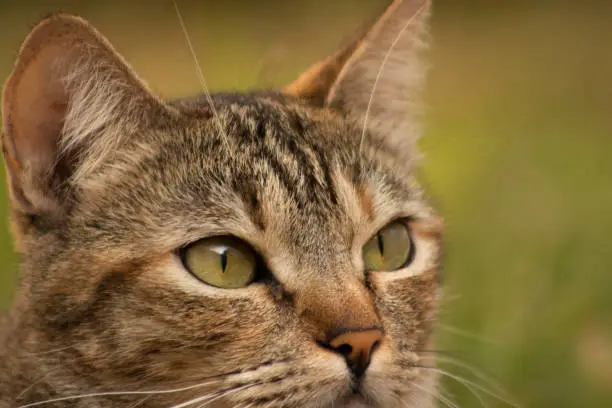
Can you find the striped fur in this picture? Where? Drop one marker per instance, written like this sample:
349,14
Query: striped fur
107,316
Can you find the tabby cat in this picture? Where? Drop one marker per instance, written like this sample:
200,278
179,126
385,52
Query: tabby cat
261,249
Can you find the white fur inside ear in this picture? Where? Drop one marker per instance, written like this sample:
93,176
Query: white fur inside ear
97,116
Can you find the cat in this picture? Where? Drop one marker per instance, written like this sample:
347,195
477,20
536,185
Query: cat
260,249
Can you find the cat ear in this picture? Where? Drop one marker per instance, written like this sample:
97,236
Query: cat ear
70,100
376,78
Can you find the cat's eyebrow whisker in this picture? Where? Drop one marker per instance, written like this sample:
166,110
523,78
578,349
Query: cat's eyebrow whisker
398,37
200,74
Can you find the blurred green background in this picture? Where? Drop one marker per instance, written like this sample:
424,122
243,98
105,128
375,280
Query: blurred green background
519,159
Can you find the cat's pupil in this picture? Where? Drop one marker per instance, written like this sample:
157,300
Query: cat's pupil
381,245
223,257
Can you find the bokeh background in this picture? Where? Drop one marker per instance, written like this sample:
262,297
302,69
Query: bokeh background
519,159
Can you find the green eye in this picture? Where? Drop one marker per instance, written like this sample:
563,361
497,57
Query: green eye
221,261
390,249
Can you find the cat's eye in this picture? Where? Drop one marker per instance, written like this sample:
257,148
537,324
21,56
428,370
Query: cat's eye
390,249
223,262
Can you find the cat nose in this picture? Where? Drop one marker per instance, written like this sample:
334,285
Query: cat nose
356,346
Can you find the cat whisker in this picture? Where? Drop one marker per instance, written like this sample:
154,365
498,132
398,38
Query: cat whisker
382,68
29,387
437,395
42,353
28,354
119,393
464,333
140,402
449,297
210,398
200,73
476,395
476,372
472,386
270,404
436,351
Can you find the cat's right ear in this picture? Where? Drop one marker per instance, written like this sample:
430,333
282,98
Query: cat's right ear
376,79
70,100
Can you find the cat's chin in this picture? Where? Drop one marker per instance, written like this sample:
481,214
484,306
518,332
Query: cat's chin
354,401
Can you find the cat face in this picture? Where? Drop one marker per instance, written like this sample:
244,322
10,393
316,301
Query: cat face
234,250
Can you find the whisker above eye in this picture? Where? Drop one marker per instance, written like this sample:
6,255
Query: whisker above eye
200,74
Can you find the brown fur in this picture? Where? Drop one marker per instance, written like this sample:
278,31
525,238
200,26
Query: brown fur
108,182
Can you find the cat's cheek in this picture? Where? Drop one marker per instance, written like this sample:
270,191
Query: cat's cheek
385,381
388,381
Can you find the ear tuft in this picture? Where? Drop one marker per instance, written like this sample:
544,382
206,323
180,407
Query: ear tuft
69,102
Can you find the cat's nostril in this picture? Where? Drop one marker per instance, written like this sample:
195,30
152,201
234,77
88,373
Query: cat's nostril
344,349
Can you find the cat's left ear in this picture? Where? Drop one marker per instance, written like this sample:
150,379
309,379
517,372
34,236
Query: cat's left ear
375,80
70,101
